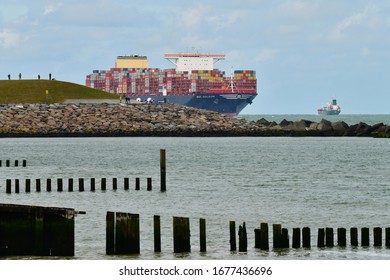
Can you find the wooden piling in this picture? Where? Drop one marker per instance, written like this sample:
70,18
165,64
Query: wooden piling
70,185
257,238
163,170
387,237
378,236
16,185
16,163
92,184
8,186
103,184
341,237
181,235
126,184
277,236
365,236
24,163
110,233
329,237
114,184
0,163
137,183
81,184
232,240
7,163
321,238
59,184
296,238
28,185
38,185
202,234
354,236
264,238
306,239
48,185
127,235
285,238
242,238
149,184
157,233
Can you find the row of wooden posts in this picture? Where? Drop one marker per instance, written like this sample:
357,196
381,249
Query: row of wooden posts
81,184
49,231
16,163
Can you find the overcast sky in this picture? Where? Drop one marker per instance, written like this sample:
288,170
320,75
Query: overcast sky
304,52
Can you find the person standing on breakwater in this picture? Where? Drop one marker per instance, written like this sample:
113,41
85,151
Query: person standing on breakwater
9,77
20,76
49,76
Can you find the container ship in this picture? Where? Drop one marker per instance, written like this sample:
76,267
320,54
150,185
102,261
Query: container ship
193,82
330,109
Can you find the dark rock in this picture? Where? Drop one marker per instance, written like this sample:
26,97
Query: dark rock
284,122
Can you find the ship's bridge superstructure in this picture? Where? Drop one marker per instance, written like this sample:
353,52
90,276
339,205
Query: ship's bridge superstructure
194,61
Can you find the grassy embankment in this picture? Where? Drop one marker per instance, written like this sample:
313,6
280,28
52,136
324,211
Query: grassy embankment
34,91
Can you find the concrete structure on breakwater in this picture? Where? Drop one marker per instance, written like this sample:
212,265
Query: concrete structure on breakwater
39,120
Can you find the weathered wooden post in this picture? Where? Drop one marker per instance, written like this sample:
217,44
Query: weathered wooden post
306,239
329,237
321,238
387,233
277,236
103,184
365,236
81,184
7,163
16,185
28,185
48,185
149,184
257,238
127,235
285,238
181,235
16,163
8,186
24,163
126,183
157,233
92,184
163,170
110,233
38,185
378,236
232,229
264,238
114,184
296,238
0,163
137,183
341,237
202,234
242,238
354,236
59,184
70,185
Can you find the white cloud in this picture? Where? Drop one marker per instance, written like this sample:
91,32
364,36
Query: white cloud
9,39
193,17
49,9
266,54
363,19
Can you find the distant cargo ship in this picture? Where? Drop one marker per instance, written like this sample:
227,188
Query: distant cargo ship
194,82
330,109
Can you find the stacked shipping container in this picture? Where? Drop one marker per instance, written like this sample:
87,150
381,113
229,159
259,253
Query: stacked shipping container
154,81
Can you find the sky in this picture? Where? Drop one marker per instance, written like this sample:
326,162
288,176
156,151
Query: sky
304,52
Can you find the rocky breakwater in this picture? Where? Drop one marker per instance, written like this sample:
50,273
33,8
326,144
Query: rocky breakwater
157,120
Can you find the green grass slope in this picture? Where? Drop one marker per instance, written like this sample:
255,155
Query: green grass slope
34,91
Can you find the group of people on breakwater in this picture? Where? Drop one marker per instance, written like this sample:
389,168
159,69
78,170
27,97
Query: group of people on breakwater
159,120
20,76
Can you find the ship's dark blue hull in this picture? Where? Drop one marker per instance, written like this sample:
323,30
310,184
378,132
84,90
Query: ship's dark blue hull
229,103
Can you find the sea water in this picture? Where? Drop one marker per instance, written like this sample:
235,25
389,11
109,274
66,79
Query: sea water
314,182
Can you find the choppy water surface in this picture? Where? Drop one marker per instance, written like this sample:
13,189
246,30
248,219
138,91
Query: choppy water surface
314,182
